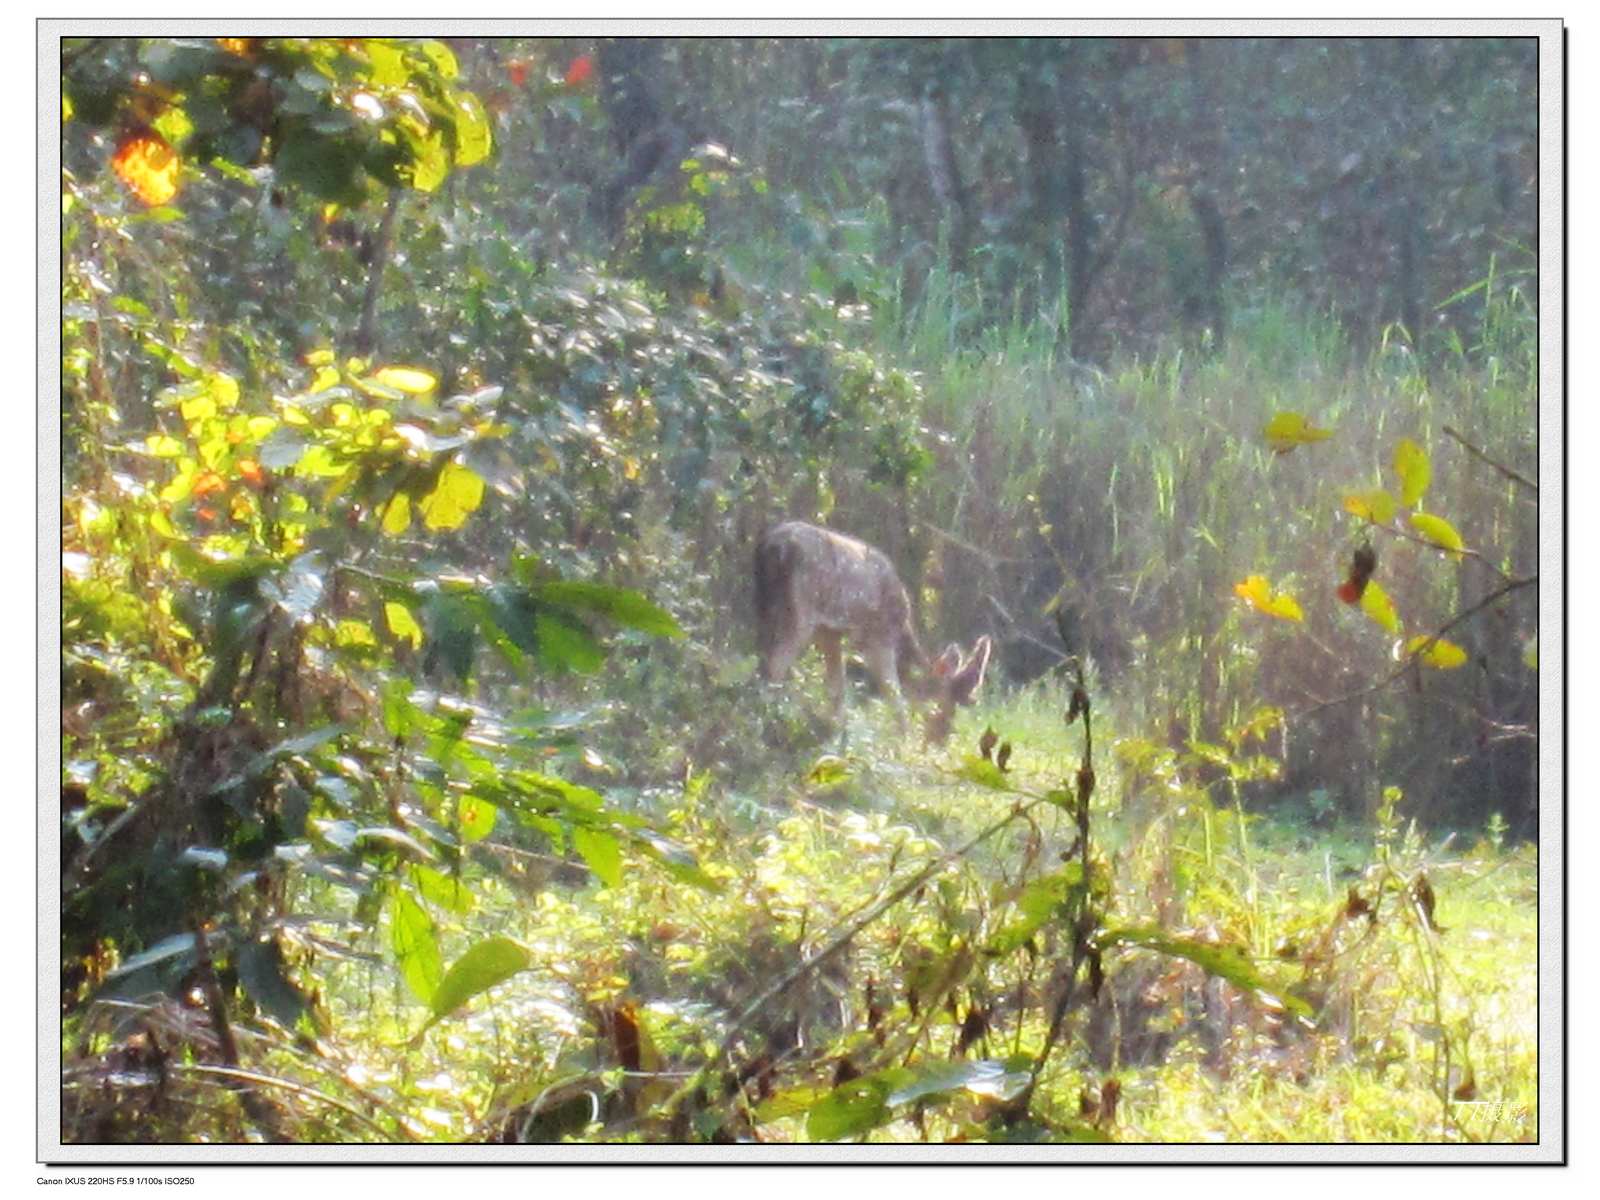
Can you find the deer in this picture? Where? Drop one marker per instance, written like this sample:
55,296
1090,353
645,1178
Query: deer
815,586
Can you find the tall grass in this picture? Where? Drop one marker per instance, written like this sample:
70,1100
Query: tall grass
1137,493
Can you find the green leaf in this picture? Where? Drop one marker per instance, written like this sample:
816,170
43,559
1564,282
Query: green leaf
282,449
474,135
853,1108
387,835
388,63
1225,960
447,891
415,945
828,770
601,851
982,1077
677,861
451,627
475,817
257,767
401,623
265,976
791,1102
985,774
485,964
170,947
400,716
430,163
326,166
396,515
622,605
565,642
442,58
1040,903
860,1105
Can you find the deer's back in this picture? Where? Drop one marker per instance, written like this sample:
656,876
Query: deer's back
831,581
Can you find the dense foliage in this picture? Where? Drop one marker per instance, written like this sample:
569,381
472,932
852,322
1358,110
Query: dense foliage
422,403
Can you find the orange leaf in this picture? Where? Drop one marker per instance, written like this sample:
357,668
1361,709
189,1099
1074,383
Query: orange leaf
1258,593
250,471
206,483
148,164
518,71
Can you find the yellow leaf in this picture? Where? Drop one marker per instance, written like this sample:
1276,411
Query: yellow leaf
148,164
1377,506
224,389
1412,466
1442,655
1254,589
397,515
348,634
318,358
1376,604
162,446
410,380
1438,531
457,496
1259,594
326,378
1286,430
401,623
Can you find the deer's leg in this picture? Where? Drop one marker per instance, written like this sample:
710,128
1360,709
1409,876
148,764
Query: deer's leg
884,666
833,656
780,655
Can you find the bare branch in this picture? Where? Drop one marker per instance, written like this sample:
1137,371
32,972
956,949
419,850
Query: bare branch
1412,659
838,942
1504,470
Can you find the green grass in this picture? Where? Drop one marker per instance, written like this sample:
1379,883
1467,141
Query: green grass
816,855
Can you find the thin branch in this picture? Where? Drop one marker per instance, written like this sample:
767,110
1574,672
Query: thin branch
838,942
1464,551
367,330
1504,470
1412,659
244,1076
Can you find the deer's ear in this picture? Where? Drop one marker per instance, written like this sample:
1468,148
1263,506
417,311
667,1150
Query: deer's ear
966,681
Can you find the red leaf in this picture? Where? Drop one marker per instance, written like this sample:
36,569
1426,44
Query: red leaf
579,70
518,71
